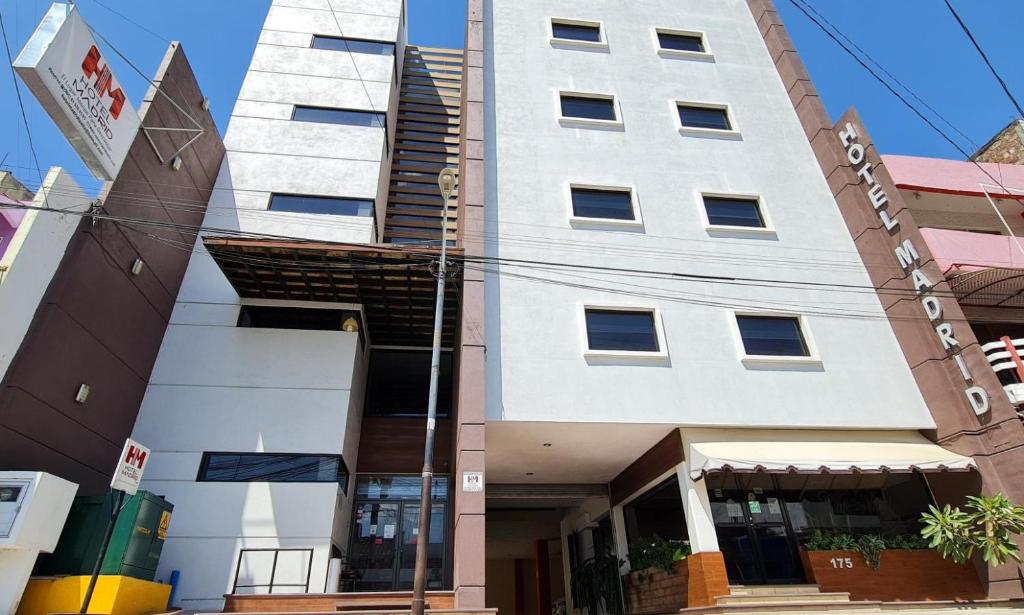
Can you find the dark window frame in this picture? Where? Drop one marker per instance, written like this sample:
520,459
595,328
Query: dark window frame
582,190
380,117
655,332
446,384
342,477
314,197
802,336
670,35
580,25
724,198
722,110
564,97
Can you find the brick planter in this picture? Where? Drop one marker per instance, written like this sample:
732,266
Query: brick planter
904,575
659,592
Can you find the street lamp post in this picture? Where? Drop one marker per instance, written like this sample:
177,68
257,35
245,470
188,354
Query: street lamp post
446,182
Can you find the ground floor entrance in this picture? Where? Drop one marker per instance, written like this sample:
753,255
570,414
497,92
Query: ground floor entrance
762,519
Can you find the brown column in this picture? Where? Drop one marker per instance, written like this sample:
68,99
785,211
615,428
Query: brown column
993,439
706,578
543,569
517,598
468,427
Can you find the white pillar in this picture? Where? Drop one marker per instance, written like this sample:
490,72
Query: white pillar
619,534
700,525
15,570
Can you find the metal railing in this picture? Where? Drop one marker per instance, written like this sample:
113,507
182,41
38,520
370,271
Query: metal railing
273,572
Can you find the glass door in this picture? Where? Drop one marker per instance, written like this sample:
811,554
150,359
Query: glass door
435,550
374,544
753,530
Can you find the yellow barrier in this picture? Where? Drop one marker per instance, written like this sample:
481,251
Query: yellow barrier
114,595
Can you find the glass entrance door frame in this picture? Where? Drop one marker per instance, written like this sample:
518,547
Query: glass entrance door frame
750,512
403,512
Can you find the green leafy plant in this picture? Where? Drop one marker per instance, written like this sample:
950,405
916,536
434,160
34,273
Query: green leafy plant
598,586
988,525
868,545
656,553
871,547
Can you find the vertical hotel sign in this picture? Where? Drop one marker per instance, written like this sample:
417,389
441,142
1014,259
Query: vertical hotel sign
72,80
909,260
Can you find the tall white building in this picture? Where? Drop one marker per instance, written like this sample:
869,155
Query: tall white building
661,328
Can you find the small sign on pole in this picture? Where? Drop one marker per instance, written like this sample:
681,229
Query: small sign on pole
129,467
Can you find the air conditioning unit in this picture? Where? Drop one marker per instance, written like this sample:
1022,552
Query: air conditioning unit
1015,392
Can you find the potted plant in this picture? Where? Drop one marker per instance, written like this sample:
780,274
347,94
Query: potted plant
887,568
657,582
597,587
988,526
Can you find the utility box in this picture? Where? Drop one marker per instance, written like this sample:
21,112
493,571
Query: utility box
135,544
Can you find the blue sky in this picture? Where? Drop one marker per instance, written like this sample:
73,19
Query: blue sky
916,40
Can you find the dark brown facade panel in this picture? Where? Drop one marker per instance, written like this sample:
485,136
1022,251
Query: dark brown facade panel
660,458
98,324
395,445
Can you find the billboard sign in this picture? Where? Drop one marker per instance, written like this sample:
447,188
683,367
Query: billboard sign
73,81
133,461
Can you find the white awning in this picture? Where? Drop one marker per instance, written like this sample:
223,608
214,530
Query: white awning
780,451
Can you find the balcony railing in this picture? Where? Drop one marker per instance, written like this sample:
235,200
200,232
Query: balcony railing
982,269
1005,357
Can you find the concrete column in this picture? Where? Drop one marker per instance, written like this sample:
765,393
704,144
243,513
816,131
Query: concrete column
619,535
700,525
15,570
542,569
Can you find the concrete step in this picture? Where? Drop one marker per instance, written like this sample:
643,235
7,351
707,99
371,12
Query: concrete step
761,590
787,608
784,599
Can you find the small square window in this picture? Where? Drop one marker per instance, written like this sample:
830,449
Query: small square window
608,204
588,108
575,31
773,336
621,330
712,118
725,211
681,42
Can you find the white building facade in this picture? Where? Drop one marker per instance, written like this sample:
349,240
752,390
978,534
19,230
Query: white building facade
236,402
656,224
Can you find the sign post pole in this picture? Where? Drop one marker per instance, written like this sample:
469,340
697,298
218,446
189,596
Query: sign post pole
127,477
117,500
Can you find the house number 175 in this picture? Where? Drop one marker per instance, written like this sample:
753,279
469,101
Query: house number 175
842,562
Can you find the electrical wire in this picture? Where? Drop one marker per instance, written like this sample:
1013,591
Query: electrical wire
355,66
132,21
799,5
21,105
984,56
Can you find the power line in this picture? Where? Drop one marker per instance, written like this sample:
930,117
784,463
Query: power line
21,105
890,75
670,275
800,7
981,52
132,21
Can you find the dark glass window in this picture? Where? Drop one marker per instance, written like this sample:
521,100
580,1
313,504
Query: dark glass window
576,32
310,319
399,383
321,205
588,108
334,43
273,468
659,512
611,204
704,117
621,330
681,42
772,336
349,117
733,212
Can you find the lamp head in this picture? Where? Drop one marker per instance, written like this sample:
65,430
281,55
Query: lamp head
446,181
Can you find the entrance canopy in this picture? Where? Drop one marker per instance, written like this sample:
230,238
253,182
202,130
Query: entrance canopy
814,452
